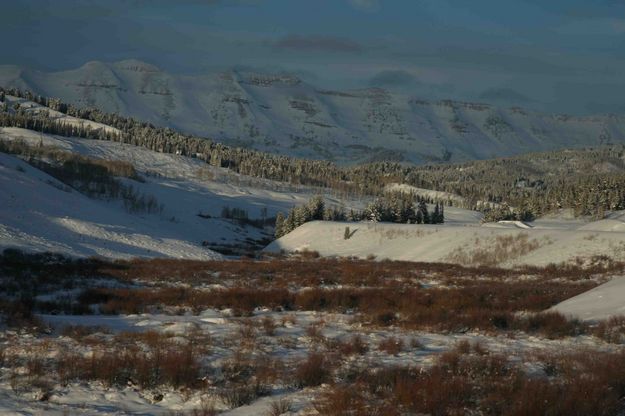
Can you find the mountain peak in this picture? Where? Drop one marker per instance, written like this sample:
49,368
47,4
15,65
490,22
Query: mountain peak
278,112
91,65
136,65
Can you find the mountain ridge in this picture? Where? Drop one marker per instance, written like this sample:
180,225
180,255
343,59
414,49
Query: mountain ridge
280,113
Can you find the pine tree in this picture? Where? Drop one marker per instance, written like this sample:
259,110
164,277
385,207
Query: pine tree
419,217
375,211
438,216
435,215
279,225
290,223
315,208
423,209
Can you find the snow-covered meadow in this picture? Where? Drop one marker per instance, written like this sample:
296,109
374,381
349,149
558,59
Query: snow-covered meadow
285,335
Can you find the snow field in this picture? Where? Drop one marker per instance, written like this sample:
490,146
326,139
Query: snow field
504,245
39,213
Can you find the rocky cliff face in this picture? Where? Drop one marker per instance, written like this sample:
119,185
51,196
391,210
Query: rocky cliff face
280,113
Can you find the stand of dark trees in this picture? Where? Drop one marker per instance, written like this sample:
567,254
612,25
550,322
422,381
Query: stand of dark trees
394,207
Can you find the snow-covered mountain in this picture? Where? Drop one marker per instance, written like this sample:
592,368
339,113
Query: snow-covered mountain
283,114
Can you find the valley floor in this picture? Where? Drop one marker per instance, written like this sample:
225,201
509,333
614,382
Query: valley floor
301,336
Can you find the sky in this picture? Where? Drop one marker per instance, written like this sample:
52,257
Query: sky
565,56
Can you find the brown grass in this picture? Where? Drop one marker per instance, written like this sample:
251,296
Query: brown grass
161,363
269,326
611,330
495,250
247,377
461,383
316,369
342,401
279,407
391,345
377,293
485,304
279,272
355,345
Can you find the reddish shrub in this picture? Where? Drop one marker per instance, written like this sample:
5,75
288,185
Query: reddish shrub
355,345
313,371
391,345
342,401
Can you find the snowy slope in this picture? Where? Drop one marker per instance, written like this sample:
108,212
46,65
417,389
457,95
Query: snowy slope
36,214
281,113
39,214
458,241
599,303
31,107
188,179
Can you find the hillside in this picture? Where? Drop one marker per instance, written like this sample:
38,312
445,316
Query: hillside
461,241
589,180
283,114
39,213
602,302
194,194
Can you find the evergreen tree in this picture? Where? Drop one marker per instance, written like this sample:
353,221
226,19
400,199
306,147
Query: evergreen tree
279,225
290,223
423,210
315,208
374,211
435,215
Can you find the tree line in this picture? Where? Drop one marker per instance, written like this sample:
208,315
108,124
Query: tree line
588,181
393,207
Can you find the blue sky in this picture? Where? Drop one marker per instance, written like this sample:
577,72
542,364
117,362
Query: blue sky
552,55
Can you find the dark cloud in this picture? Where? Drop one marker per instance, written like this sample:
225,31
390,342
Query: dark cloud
318,43
393,78
504,95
